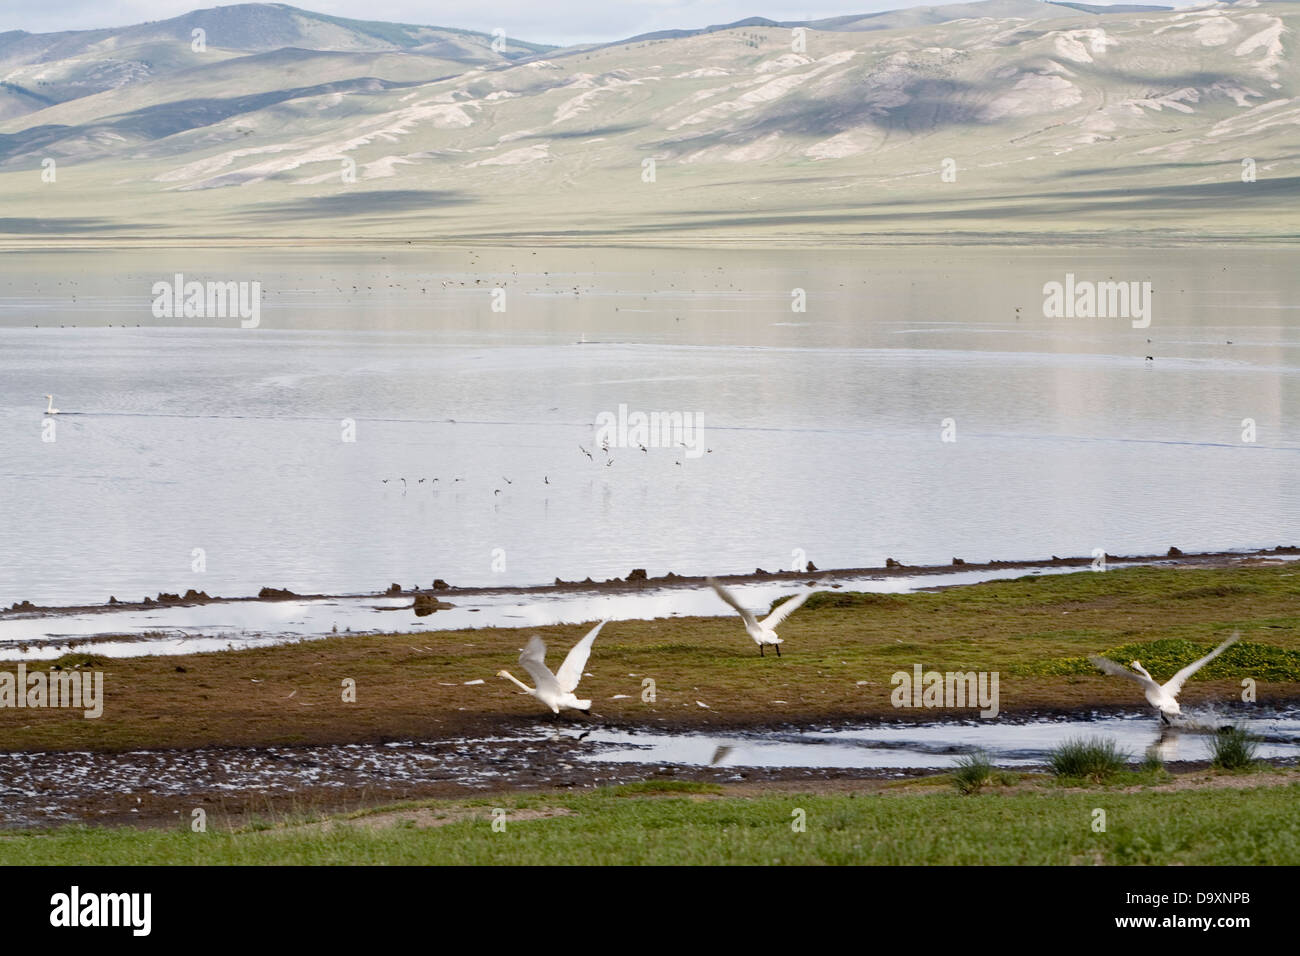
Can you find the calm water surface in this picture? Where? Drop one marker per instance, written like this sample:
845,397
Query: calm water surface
824,425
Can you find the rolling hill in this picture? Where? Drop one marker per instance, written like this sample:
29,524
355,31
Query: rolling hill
1008,117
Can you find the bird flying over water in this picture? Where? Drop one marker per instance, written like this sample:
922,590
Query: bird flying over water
1163,697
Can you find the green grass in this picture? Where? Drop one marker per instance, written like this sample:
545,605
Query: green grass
1153,765
643,787
1166,656
76,660
1088,759
1034,826
1232,749
840,654
973,771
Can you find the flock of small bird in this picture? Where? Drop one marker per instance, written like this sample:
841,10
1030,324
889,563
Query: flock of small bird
556,690
546,479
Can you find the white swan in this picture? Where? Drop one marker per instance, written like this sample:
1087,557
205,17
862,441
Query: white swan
1162,697
763,632
555,690
49,407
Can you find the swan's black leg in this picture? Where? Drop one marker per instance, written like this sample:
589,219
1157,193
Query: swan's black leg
778,649
760,650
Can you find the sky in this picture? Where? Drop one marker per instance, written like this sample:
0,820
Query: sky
548,21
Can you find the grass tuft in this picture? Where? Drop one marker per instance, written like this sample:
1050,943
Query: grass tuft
974,771
1152,763
1089,759
1232,749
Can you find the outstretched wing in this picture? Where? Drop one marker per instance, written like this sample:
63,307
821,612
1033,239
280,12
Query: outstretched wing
785,610
730,598
533,659
1119,670
570,672
1175,683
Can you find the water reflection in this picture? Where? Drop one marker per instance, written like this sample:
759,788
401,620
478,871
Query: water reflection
138,632
1008,743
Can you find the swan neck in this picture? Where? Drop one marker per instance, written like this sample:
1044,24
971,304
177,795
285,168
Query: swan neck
518,683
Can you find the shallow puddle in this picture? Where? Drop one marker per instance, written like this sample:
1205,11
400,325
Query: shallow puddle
39,788
939,745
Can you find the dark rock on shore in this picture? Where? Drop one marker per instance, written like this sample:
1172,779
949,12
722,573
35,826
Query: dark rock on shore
23,606
1174,553
393,589
638,574
958,563
440,585
891,563
275,594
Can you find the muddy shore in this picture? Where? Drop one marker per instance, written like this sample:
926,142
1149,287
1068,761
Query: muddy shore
639,580
236,786
270,729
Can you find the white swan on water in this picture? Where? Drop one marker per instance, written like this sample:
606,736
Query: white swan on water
763,632
555,690
49,407
1163,697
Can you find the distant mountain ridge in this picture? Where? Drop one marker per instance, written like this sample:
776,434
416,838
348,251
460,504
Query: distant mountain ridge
41,69
1002,115
911,16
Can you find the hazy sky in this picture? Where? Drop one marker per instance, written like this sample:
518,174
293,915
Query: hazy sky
544,21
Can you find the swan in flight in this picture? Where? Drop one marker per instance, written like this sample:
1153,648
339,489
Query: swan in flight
1163,697
763,632
49,406
555,690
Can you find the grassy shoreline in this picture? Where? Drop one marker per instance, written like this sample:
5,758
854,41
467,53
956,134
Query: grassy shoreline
839,654
841,650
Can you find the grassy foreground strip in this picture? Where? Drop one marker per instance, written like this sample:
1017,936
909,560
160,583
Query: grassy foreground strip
699,824
840,651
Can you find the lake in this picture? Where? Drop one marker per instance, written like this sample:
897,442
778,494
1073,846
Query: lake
196,453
